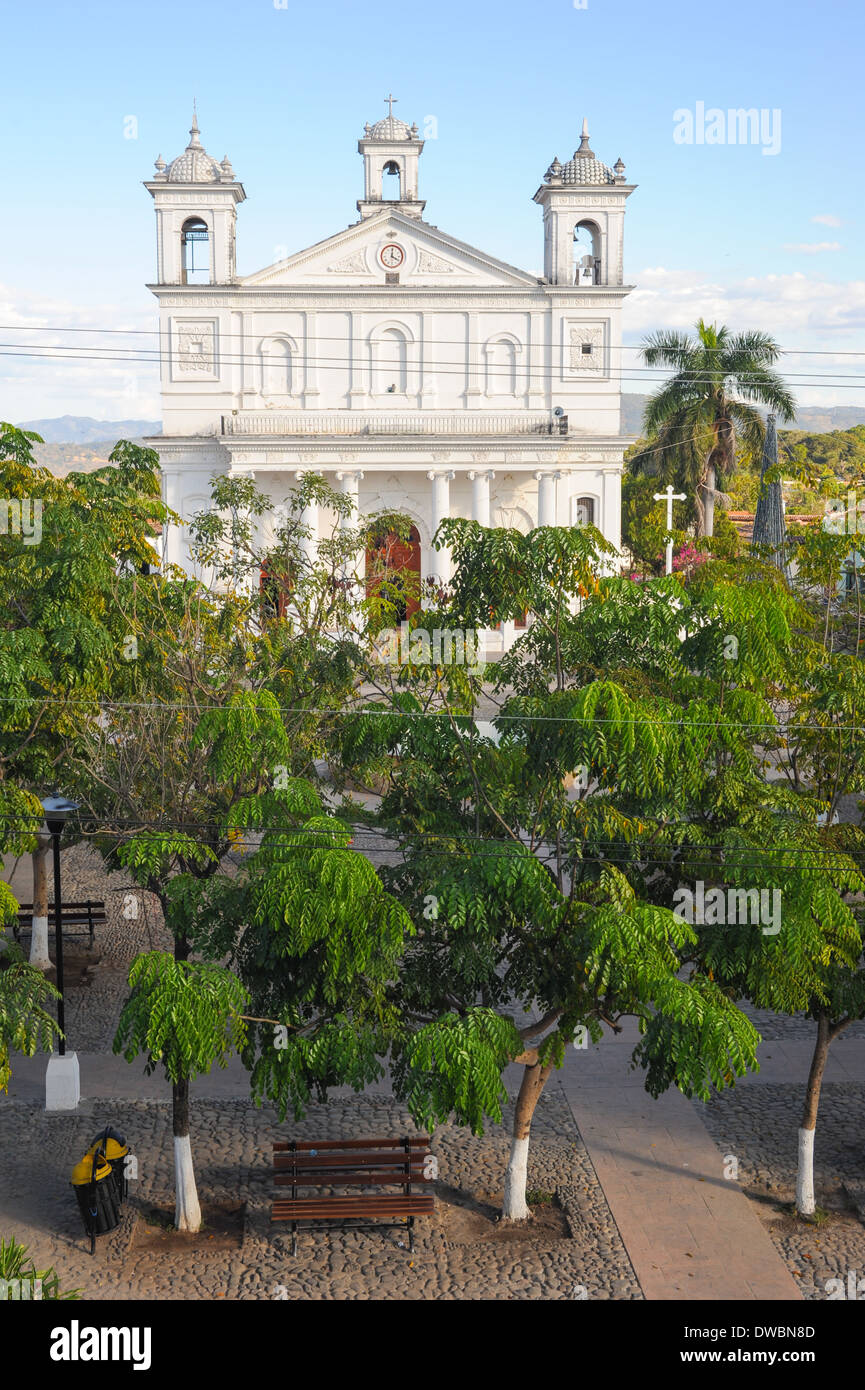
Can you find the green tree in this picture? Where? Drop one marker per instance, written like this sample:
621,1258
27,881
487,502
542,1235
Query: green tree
184,1016
530,860
695,420
77,541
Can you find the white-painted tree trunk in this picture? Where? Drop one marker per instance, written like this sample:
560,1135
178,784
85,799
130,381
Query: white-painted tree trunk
39,956
514,1206
39,944
187,1212
805,1203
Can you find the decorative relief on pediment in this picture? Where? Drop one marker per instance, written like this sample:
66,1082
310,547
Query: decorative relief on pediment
353,264
428,264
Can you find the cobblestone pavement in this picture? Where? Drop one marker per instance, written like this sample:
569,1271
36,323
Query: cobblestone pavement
757,1126
231,1143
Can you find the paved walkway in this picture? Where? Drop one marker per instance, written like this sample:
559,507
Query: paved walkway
689,1232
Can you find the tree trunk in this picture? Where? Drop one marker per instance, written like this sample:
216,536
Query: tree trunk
187,1212
39,922
805,1203
514,1206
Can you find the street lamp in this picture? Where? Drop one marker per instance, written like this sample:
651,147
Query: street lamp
62,1083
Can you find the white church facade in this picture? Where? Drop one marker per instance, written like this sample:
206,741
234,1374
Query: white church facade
414,372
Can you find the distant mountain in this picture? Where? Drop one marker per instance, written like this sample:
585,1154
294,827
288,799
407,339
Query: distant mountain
83,429
79,442
814,419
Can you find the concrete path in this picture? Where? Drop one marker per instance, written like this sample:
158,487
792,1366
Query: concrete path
689,1232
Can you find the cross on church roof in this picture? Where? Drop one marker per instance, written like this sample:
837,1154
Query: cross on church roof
390,101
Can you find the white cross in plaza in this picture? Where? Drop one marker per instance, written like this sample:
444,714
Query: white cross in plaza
671,497
390,101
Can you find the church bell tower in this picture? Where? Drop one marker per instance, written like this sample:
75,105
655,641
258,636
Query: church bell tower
196,209
584,219
391,151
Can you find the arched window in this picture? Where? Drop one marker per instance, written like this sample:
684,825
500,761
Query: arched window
584,511
195,252
587,254
390,356
276,367
391,170
501,355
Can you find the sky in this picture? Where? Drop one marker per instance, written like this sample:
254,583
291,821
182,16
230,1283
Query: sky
765,234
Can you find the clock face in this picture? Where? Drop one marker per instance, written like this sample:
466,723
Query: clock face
391,255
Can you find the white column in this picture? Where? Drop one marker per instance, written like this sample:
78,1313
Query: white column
174,549
441,508
356,564
480,482
309,519
249,583
610,520
547,498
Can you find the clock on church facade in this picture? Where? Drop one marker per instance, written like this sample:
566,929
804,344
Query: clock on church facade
415,372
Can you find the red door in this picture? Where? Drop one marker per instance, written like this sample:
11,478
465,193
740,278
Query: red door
399,561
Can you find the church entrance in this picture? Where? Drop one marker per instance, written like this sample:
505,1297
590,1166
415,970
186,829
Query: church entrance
391,559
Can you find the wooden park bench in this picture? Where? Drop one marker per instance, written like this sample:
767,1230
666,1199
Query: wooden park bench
89,915
370,1163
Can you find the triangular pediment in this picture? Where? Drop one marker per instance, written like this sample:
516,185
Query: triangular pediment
424,256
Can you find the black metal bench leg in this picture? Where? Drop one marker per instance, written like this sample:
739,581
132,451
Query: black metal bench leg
294,1238
411,1234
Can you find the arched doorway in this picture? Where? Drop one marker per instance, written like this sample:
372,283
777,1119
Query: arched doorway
274,591
397,560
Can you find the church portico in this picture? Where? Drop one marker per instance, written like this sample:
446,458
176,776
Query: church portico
414,372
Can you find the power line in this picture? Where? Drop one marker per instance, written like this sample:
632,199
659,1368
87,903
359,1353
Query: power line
156,707
829,380
324,337
747,856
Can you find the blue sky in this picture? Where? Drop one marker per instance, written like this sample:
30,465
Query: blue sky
771,241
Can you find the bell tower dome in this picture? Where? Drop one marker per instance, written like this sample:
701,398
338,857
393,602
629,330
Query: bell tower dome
391,151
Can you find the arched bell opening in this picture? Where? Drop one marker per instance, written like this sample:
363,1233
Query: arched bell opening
587,254
195,252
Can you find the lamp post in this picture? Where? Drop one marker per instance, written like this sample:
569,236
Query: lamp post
62,1084
671,497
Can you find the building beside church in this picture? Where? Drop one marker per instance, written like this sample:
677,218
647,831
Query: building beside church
417,373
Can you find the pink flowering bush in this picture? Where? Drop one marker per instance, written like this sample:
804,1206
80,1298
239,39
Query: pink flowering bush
687,557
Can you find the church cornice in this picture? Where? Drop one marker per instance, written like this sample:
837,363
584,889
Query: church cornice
378,297
409,454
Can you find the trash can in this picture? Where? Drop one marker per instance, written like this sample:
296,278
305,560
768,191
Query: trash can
113,1148
95,1191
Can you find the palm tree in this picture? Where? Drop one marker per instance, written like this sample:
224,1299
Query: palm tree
696,419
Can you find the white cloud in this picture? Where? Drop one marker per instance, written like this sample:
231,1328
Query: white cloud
801,312
47,372
812,248
827,219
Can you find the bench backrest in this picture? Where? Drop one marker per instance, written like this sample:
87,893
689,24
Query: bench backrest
94,910
353,1162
